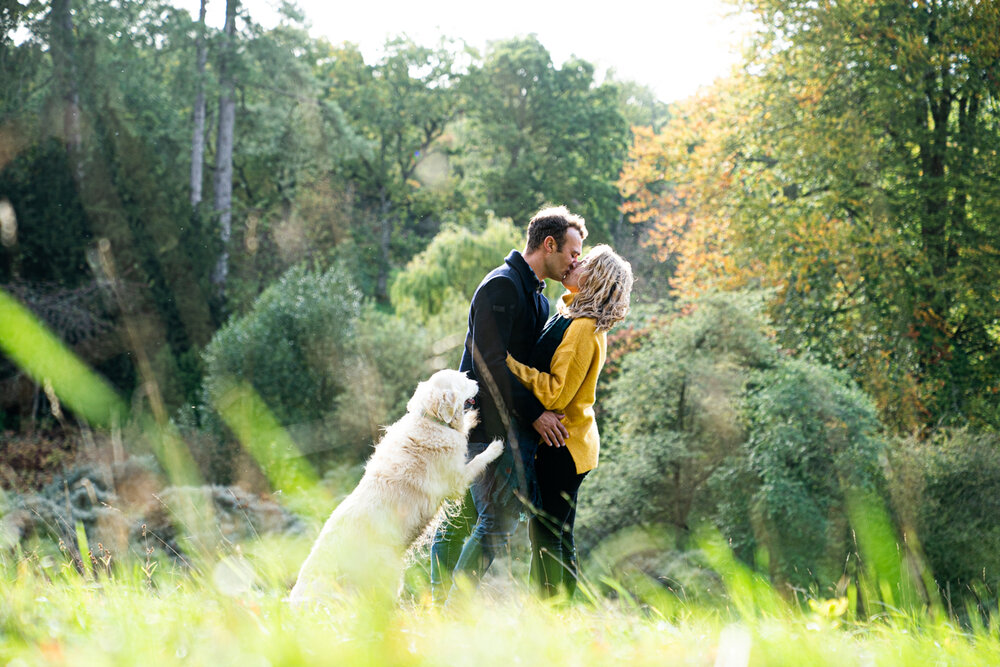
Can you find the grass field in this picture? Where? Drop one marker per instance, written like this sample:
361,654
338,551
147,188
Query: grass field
229,611
224,606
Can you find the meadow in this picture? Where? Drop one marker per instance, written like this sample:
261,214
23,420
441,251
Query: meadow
229,254
228,609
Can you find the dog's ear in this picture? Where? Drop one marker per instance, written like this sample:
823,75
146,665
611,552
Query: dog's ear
450,406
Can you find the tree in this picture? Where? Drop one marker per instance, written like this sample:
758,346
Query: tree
709,422
62,40
126,184
198,119
224,147
450,269
295,203
640,105
850,172
402,105
541,134
675,418
813,449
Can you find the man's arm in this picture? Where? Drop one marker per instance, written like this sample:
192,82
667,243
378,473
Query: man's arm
494,310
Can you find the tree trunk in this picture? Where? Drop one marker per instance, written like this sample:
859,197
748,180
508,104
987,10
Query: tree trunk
385,223
198,138
63,50
224,149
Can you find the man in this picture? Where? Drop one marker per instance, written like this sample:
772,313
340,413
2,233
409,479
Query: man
507,314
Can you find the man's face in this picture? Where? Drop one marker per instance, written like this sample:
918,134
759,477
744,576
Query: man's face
561,261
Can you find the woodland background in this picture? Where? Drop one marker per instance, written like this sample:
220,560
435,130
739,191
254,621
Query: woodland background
256,243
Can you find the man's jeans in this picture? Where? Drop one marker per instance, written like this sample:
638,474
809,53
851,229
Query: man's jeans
498,507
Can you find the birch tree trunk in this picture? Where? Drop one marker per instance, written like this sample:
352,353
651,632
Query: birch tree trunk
224,149
198,138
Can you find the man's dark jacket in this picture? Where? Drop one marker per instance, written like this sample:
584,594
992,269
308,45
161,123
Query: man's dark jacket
507,315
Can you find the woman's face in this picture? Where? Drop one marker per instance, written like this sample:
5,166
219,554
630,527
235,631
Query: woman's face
572,279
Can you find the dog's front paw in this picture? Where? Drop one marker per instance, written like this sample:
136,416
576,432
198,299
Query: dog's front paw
470,420
494,451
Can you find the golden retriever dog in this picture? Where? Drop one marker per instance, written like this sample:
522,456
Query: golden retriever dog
419,463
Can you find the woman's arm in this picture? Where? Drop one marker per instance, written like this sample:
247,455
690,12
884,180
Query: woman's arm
568,369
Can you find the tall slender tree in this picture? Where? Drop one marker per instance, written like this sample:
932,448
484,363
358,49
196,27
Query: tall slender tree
198,134
224,147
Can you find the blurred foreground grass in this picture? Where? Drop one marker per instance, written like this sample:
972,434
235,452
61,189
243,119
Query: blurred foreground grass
229,611
224,606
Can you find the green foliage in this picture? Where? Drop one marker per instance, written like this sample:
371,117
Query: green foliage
946,491
708,421
675,417
290,347
330,371
543,134
640,106
52,230
813,445
386,357
451,268
335,159
401,106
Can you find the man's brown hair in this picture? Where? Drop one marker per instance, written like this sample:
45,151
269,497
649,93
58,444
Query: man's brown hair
553,221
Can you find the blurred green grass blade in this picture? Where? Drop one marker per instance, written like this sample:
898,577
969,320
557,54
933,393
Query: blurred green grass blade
260,434
46,359
172,453
49,361
887,575
84,547
750,592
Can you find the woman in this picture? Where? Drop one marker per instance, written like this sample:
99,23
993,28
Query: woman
563,375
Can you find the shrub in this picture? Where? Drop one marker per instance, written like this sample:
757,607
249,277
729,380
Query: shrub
385,359
331,371
813,441
673,418
709,422
451,268
946,491
290,348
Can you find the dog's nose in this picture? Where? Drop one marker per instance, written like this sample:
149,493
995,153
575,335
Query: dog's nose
470,403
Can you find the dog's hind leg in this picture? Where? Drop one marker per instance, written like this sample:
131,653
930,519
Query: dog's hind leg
478,464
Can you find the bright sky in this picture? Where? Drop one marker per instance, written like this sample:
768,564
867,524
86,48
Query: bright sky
673,46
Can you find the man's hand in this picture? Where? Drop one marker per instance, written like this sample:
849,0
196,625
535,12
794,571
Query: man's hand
549,426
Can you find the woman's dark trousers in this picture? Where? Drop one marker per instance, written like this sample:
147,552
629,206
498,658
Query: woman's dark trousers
553,551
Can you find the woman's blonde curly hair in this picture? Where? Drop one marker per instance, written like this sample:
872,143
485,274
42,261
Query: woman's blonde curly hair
605,289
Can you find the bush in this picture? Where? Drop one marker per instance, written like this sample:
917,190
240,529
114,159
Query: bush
709,422
437,285
451,268
673,418
813,442
331,371
386,358
946,491
290,348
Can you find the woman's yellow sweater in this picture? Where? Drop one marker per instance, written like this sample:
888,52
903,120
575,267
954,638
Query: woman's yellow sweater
571,387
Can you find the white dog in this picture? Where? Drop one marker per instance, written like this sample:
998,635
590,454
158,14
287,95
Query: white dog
419,463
